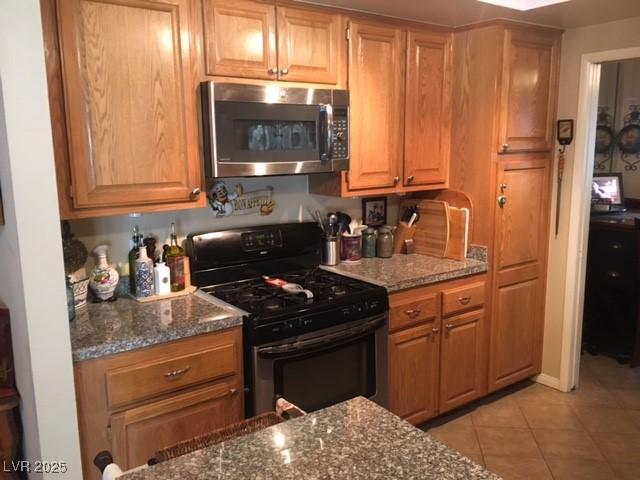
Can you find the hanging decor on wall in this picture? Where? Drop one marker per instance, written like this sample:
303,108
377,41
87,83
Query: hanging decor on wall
629,139
604,140
225,203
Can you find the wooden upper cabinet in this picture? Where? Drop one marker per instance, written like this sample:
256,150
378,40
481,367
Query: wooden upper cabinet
376,84
240,39
427,108
528,91
130,108
311,45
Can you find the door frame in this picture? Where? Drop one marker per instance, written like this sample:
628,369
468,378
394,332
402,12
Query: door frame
580,204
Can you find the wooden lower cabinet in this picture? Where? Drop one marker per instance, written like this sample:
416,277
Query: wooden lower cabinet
176,390
462,360
437,362
413,363
139,432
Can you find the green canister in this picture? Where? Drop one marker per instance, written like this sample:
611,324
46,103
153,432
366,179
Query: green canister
369,243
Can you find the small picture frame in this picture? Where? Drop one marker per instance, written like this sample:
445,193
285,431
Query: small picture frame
374,211
565,131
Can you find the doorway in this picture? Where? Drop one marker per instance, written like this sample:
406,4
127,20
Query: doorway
580,203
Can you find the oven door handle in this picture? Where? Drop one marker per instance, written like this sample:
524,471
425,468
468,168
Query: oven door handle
326,132
342,336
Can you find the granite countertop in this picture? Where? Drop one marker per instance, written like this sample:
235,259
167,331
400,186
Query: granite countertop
113,327
355,439
408,271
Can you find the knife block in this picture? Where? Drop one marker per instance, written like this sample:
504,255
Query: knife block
403,232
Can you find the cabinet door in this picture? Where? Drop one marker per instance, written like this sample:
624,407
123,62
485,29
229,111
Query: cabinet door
529,79
139,432
129,102
311,46
376,85
427,108
240,39
413,372
463,360
522,227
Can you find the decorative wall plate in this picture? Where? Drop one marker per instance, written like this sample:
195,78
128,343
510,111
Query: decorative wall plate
604,138
629,139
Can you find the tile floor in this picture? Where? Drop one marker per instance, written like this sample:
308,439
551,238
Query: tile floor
534,432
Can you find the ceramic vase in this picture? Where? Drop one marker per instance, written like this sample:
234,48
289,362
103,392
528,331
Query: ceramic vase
104,278
144,274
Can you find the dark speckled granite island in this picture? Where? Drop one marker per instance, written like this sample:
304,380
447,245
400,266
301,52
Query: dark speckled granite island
356,439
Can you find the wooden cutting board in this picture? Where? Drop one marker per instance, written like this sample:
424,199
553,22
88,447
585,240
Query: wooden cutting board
432,230
458,233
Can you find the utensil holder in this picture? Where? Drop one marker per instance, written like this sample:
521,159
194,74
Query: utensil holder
330,250
403,232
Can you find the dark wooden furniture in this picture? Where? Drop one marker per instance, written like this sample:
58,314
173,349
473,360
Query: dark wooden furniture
611,294
8,435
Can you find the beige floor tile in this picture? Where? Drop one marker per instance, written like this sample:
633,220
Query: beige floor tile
551,416
516,442
567,444
591,396
461,438
539,394
579,468
504,412
619,447
606,419
627,398
626,471
518,468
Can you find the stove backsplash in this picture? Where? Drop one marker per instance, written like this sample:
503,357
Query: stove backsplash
290,195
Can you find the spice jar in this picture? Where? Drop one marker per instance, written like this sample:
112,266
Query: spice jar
369,243
384,244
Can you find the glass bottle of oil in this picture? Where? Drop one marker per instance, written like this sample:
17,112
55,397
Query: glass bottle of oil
175,262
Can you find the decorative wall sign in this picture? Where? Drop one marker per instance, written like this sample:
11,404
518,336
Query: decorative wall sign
225,203
629,139
604,140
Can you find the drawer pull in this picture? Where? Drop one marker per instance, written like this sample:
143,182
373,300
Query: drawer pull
613,274
464,300
176,373
615,245
232,391
435,330
413,313
448,326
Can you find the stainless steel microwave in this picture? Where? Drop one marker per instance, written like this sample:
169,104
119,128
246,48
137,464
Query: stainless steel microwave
253,130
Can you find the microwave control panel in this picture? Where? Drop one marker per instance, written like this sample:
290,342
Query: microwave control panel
340,133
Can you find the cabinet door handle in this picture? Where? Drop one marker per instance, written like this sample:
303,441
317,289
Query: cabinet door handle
613,274
232,391
464,300
615,245
195,193
273,71
413,313
410,178
396,180
504,148
435,330
284,71
448,326
176,373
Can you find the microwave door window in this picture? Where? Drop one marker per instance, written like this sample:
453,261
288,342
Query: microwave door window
259,133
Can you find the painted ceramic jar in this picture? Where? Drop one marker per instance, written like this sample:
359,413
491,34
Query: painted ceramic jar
144,274
104,278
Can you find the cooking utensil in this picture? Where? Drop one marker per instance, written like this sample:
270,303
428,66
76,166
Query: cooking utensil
333,224
343,221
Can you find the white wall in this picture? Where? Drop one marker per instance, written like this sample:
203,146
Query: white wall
30,251
292,205
575,43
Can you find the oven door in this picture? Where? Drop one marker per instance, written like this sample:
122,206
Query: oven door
323,368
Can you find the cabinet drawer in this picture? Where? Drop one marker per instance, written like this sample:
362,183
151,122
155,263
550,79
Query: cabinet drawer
137,382
462,298
406,313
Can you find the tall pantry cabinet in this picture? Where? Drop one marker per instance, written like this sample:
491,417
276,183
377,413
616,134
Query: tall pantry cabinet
504,102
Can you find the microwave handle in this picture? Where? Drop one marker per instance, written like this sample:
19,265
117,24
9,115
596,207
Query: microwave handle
326,125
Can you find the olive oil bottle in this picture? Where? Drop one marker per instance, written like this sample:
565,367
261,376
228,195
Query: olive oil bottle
175,262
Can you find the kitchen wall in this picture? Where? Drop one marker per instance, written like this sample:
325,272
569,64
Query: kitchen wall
291,196
619,90
31,283
575,43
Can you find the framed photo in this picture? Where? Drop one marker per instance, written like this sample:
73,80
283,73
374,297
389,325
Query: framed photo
374,211
565,131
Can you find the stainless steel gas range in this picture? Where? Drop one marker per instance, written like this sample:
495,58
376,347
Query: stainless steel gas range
316,346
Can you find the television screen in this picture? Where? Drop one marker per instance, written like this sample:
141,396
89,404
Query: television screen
607,188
